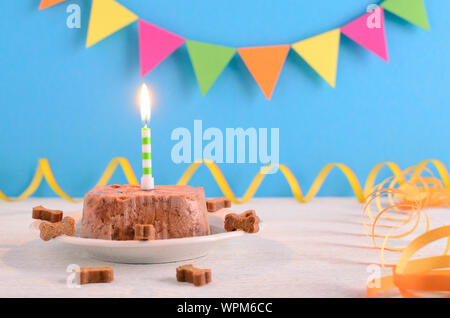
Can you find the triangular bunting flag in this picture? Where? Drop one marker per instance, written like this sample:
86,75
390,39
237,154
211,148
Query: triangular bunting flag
155,45
49,3
411,10
265,64
368,31
321,53
208,61
107,17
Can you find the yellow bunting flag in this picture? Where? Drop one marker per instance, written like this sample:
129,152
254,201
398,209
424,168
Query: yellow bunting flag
321,53
107,17
49,3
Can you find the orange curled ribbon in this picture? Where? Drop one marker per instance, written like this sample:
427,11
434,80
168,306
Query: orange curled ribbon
431,274
408,195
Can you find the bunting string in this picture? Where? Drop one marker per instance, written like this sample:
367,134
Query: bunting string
264,63
44,171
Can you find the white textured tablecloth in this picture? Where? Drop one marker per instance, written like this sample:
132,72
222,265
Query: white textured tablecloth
318,249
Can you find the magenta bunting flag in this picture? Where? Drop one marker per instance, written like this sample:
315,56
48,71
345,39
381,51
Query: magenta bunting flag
369,32
155,45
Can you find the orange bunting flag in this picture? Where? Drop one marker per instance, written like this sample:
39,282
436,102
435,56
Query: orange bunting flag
265,64
49,3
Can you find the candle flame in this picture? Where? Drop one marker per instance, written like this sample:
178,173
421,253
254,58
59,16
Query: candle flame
145,103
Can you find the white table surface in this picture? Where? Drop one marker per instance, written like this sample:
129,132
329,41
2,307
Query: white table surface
318,249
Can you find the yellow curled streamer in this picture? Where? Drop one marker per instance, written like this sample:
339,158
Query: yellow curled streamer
316,185
44,171
419,275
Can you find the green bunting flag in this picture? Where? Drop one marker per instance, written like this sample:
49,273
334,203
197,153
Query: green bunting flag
208,61
413,11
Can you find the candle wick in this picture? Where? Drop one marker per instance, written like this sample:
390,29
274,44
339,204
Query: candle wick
145,124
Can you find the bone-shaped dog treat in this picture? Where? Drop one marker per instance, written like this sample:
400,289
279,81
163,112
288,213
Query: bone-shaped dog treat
95,275
41,213
217,204
144,232
247,221
197,276
52,230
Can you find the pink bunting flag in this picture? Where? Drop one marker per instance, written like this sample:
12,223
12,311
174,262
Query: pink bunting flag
155,45
369,32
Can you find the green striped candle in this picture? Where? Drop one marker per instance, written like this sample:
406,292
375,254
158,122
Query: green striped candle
147,181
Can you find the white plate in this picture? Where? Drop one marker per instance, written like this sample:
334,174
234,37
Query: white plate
145,252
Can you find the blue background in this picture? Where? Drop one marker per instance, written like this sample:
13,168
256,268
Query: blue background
77,107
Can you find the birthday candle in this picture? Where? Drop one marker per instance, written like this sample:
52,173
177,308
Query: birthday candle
147,181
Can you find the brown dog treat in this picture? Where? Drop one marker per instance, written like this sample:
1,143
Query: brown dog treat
217,204
144,232
41,213
96,275
52,230
197,276
247,222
